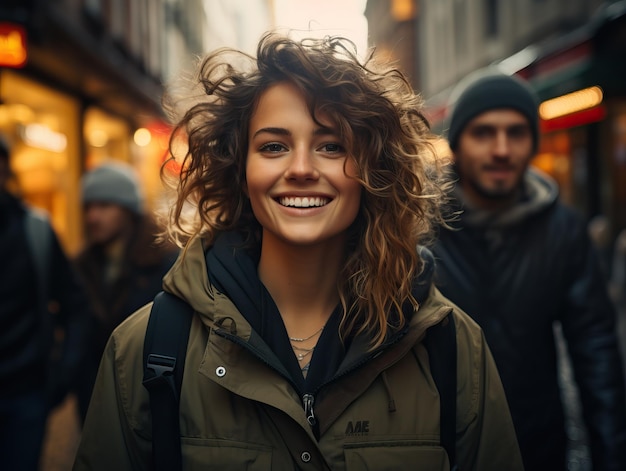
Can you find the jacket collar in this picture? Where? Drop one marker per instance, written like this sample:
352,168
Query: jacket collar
223,287
539,192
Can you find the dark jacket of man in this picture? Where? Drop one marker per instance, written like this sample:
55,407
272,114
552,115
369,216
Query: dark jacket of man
517,273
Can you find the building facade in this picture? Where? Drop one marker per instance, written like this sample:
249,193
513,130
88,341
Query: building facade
81,81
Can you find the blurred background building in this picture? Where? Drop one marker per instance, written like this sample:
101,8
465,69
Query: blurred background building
81,81
573,52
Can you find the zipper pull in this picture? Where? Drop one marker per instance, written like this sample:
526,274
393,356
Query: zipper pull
308,400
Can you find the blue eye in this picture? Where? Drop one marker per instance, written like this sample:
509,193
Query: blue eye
272,147
333,148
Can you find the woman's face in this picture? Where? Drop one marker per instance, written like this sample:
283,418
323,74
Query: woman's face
298,188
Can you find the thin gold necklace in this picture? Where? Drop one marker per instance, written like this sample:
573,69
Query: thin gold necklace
302,353
295,339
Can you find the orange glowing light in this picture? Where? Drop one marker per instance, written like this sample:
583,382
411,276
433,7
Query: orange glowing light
571,103
13,50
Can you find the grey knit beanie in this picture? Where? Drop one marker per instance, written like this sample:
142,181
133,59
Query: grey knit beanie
486,90
113,182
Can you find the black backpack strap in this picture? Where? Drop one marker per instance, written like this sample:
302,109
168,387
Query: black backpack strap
164,351
440,342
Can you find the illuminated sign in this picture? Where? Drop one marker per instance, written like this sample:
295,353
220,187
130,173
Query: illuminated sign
580,118
13,51
571,103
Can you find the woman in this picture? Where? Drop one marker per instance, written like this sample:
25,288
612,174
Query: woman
304,193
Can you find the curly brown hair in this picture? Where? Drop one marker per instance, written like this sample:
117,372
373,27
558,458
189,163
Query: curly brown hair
379,119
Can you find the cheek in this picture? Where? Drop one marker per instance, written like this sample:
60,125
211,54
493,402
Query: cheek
524,151
256,188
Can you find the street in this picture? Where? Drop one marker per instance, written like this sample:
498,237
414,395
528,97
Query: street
63,435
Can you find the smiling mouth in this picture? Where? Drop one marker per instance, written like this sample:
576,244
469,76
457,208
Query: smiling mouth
303,202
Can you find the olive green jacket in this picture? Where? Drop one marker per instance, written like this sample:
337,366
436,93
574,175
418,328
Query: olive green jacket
237,412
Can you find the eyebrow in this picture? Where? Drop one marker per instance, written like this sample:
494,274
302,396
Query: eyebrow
321,131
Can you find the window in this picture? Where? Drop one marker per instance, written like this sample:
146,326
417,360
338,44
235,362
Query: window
491,18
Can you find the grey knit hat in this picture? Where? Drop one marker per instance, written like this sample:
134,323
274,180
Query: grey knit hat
486,90
113,182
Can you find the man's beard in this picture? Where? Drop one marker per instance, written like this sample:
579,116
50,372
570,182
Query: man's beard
495,194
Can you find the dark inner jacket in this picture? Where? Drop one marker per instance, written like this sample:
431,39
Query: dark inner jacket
233,270
517,273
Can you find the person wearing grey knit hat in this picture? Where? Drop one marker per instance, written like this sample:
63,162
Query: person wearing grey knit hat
111,199
519,261
489,89
122,262
493,131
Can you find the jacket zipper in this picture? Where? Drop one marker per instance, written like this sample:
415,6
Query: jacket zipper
308,400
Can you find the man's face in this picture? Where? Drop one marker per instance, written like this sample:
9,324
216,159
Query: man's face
106,222
494,150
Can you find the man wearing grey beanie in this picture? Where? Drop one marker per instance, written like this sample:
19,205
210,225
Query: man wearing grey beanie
122,263
519,261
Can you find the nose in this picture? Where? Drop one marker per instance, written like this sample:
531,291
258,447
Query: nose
501,144
301,165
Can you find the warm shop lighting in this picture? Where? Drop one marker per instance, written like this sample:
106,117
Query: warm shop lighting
142,137
16,113
13,48
98,138
402,10
42,137
571,103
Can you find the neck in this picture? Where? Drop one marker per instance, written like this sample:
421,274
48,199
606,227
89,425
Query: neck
302,282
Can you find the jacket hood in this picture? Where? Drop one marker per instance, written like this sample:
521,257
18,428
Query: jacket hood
540,192
188,278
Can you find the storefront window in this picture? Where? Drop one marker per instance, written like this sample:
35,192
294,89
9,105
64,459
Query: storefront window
108,137
555,159
42,126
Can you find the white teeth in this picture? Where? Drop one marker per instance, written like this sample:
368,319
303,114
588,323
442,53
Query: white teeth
304,202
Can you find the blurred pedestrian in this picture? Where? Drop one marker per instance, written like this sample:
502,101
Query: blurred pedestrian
306,170
122,263
36,365
519,261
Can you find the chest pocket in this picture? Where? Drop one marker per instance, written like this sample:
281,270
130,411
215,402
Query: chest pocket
391,458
